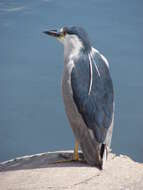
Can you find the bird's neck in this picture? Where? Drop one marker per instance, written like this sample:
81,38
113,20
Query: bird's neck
72,47
72,53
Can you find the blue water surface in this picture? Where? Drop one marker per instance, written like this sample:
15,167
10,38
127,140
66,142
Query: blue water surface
32,117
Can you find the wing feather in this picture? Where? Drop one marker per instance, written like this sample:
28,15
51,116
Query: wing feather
93,93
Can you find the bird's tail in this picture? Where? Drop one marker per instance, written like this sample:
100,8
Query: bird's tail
103,155
95,153
91,151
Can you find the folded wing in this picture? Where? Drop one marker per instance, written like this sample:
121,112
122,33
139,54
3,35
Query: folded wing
93,93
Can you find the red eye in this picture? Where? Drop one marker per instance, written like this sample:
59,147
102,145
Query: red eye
64,32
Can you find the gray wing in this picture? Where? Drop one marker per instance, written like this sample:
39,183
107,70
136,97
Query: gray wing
96,108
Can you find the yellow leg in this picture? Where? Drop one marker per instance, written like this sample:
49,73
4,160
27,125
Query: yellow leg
76,155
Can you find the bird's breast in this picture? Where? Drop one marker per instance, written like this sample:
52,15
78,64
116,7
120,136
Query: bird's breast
66,82
75,119
70,107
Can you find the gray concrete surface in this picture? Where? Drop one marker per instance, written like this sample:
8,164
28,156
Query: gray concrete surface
41,172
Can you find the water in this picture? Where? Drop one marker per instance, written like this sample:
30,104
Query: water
32,117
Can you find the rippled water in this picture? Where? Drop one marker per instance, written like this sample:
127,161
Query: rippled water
32,117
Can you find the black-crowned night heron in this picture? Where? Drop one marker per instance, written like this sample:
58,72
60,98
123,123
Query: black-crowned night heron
88,94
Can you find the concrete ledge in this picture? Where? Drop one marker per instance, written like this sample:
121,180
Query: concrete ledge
40,172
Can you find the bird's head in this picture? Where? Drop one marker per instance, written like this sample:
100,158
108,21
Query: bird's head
72,37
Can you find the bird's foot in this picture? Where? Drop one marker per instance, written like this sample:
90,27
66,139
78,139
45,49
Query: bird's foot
75,157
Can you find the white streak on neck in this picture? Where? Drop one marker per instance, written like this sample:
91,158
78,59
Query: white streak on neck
102,56
92,58
91,75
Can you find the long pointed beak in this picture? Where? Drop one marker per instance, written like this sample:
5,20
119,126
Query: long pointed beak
53,33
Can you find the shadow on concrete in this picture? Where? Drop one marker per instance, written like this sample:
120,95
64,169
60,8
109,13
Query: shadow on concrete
43,160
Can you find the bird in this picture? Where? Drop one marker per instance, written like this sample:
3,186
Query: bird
88,94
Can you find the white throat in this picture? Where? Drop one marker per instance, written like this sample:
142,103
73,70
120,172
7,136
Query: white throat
72,46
